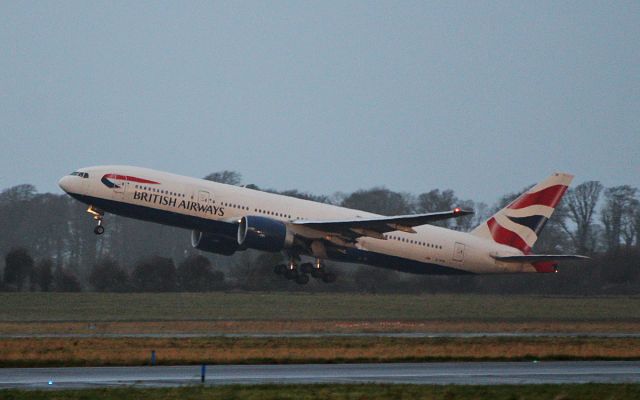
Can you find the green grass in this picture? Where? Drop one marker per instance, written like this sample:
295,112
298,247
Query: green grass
347,392
22,307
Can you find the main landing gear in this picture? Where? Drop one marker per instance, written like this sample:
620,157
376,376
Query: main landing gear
300,273
98,215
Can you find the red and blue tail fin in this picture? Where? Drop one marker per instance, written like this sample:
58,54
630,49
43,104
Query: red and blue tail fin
519,224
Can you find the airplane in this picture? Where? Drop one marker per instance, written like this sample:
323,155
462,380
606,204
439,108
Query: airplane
225,219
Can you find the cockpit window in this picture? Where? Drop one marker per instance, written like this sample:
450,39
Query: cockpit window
80,174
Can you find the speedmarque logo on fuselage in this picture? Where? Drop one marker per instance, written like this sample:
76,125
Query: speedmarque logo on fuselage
106,180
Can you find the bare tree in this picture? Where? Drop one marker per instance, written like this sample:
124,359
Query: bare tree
44,274
581,202
630,220
468,222
18,193
435,201
228,177
379,200
619,203
304,196
636,224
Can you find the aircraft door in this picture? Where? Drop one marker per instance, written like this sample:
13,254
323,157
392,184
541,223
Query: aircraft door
458,252
204,197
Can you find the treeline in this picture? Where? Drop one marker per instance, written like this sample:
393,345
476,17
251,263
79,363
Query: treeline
152,274
48,244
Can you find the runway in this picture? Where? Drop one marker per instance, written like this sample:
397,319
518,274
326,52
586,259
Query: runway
409,335
480,373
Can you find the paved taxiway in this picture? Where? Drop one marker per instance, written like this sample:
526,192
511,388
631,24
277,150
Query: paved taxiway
482,373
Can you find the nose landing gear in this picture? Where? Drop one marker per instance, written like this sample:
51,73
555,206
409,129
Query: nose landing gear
98,215
99,230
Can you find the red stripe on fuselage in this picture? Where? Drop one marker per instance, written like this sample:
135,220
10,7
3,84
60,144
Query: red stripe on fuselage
549,197
130,179
504,236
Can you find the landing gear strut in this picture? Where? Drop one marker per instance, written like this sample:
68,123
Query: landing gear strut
320,272
291,271
98,215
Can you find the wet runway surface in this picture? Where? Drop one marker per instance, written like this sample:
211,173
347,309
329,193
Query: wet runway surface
327,334
481,373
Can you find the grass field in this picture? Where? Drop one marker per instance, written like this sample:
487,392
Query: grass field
41,352
310,327
97,307
347,392
220,313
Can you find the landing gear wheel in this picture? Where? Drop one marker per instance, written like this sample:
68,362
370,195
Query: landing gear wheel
302,279
280,269
291,274
317,270
306,268
329,277
98,230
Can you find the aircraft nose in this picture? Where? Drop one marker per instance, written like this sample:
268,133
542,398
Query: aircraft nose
65,183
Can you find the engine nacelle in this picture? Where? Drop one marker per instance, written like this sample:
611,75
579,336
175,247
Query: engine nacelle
213,243
264,234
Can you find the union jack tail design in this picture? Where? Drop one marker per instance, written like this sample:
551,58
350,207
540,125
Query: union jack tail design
519,224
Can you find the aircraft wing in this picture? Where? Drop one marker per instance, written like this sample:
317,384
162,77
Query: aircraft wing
376,227
541,257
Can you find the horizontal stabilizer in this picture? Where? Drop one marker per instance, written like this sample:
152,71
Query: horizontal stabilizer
531,258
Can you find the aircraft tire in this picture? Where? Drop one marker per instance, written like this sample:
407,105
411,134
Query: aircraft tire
306,268
302,279
98,230
290,274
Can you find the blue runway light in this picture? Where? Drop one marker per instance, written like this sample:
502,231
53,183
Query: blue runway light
50,382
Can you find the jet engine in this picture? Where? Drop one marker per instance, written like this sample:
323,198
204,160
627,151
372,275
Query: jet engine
213,243
264,234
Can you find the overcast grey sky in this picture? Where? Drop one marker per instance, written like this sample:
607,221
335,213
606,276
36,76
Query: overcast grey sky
480,97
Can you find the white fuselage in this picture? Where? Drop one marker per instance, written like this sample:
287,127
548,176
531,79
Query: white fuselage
188,200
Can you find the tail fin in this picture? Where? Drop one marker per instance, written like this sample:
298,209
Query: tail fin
519,224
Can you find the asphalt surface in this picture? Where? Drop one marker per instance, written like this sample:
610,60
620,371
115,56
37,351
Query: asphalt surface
325,334
481,373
